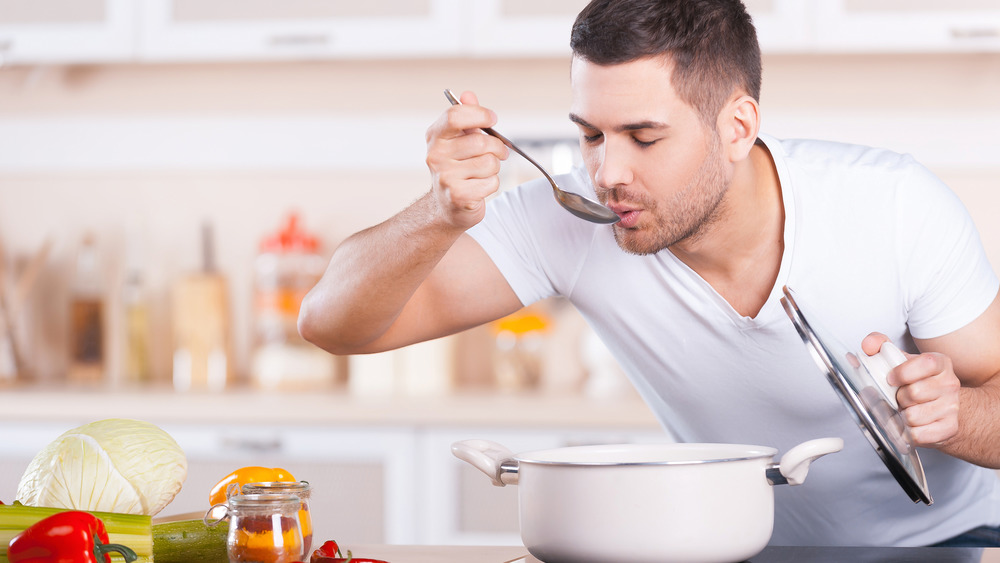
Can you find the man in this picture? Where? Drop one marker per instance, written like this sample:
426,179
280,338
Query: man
715,219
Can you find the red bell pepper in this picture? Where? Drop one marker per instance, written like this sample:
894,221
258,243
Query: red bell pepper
66,537
329,552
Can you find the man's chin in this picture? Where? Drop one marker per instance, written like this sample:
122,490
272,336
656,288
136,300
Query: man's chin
632,243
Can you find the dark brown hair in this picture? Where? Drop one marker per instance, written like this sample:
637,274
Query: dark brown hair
711,43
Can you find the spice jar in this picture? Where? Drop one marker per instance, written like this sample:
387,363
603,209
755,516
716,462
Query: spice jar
264,529
301,489
288,265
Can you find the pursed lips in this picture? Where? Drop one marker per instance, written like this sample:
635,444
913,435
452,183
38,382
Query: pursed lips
628,215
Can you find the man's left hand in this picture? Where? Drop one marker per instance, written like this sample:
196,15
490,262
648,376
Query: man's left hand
928,393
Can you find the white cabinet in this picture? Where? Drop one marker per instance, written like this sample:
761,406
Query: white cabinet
522,27
782,25
461,506
66,31
181,30
364,483
908,25
533,28
95,31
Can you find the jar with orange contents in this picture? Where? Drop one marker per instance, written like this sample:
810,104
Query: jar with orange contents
264,529
301,489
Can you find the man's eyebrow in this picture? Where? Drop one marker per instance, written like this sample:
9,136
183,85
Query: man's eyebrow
625,127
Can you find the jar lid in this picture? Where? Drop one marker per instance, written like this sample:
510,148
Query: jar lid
300,489
291,238
262,501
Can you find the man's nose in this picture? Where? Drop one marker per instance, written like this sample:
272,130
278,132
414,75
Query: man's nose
615,167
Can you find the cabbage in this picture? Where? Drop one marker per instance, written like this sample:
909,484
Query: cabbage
113,465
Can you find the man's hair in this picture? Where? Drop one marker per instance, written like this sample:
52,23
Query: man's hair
711,43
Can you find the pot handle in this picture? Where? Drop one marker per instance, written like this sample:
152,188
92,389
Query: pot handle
879,366
493,459
794,465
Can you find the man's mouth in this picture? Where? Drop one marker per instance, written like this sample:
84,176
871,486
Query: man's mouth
628,216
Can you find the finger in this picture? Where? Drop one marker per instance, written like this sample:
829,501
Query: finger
934,434
873,343
469,98
920,367
480,168
476,144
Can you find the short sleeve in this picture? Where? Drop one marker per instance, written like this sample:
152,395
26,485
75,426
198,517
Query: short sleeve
947,278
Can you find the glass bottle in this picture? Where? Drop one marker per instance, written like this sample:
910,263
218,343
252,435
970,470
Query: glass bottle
86,317
264,529
300,489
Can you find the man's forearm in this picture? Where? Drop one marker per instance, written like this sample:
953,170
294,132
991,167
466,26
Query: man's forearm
371,277
978,438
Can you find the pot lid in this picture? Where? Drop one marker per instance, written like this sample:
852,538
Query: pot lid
877,416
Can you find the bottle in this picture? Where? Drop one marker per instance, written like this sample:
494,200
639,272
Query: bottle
137,365
200,312
287,266
86,317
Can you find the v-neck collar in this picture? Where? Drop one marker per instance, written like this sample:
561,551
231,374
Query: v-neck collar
771,310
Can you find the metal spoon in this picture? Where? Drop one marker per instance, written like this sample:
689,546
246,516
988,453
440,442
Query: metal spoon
574,203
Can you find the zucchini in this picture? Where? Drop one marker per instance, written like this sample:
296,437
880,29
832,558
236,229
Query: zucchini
190,540
133,530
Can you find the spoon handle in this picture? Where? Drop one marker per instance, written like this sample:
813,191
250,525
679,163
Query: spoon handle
490,131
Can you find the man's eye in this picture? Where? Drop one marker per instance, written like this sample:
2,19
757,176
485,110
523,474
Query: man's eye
592,138
643,144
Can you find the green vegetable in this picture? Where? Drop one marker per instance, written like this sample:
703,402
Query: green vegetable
132,530
113,465
190,540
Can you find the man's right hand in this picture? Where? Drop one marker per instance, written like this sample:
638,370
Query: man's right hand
464,162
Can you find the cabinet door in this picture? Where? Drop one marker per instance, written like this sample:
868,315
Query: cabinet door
533,28
908,25
522,27
66,31
299,29
460,505
782,25
363,479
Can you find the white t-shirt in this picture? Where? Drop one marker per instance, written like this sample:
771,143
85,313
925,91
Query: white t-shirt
873,242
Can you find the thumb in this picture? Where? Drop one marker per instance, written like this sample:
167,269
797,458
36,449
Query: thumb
873,343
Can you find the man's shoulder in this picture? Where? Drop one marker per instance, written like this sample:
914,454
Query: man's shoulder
819,154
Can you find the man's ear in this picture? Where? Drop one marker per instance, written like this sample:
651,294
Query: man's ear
739,124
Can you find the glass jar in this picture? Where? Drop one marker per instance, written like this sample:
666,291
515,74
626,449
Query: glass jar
301,489
264,529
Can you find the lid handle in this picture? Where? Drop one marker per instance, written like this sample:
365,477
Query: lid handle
879,366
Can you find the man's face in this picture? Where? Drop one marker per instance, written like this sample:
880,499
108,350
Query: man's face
651,158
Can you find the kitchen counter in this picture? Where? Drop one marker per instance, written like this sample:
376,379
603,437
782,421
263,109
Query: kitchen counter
470,554
326,407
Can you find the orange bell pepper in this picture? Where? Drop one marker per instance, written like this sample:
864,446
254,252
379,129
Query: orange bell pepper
244,475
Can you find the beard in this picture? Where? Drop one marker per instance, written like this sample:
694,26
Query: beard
687,215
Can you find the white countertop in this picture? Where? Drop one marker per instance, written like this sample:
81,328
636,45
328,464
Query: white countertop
333,407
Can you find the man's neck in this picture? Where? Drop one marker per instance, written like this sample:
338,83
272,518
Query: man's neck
740,255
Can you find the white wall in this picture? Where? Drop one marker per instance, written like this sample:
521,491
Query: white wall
150,152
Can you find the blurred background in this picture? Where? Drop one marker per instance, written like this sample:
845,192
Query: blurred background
174,175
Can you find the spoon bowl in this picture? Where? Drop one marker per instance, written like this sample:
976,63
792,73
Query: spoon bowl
576,204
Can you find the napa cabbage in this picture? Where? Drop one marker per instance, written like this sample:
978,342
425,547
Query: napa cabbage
112,465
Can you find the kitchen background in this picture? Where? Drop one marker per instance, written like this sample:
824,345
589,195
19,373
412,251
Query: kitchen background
174,173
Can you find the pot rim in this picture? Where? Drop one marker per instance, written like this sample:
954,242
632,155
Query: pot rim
734,453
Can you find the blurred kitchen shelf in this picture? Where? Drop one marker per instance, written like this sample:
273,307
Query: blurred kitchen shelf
328,407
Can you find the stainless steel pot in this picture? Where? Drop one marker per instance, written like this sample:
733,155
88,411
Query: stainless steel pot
642,503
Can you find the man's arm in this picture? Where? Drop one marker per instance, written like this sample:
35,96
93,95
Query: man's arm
950,393
418,275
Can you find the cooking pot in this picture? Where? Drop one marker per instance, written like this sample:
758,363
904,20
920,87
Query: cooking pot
645,503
